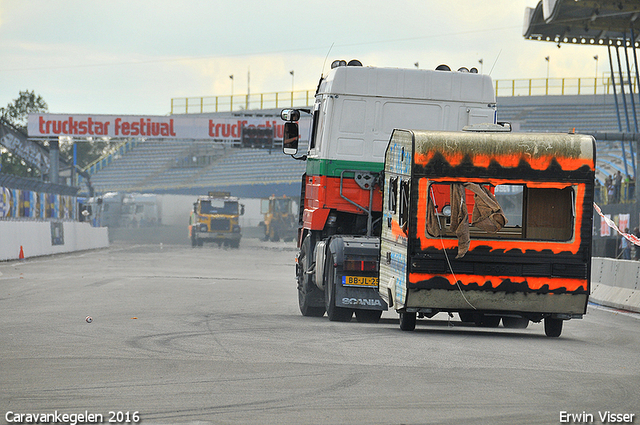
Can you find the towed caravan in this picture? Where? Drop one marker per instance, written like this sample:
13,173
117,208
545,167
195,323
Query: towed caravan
489,224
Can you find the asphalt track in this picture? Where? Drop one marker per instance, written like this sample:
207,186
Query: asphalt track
185,335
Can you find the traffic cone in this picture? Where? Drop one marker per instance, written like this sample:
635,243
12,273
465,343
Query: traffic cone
21,255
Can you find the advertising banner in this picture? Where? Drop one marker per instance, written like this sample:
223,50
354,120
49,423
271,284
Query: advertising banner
148,126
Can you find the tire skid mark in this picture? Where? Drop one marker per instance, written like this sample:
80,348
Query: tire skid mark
276,403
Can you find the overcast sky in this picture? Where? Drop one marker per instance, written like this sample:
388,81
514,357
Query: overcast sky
132,57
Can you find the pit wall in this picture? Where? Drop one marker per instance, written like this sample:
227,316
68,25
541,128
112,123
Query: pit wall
616,283
48,237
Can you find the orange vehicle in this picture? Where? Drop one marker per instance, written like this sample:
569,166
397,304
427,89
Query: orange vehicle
280,219
491,225
216,218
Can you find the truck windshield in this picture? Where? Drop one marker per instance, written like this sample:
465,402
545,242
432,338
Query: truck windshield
218,207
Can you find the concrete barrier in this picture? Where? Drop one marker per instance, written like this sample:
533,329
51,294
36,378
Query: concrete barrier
616,283
38,238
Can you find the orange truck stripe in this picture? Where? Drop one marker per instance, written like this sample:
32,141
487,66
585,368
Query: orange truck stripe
322,194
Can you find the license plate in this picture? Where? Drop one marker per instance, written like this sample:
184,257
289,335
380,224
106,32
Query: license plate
359,281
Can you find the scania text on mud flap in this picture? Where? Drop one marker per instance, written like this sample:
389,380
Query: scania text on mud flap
215,218
356,108
491,225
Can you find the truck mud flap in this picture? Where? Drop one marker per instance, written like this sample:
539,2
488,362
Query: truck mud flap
359,298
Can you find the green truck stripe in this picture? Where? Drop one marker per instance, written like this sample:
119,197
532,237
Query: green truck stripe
333,167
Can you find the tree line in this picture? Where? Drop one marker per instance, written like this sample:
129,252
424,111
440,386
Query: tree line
16,114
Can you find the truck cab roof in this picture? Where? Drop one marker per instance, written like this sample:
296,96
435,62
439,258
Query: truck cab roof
408,84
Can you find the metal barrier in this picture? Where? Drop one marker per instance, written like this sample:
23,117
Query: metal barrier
559,86
200,105
605,196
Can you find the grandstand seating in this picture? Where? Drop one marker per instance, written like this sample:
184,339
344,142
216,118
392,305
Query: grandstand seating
163,166
584,113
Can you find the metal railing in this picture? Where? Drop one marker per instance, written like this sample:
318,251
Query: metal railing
503,88
562,86
106,159
274,100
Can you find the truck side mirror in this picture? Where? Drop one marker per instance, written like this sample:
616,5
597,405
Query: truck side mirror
195,208
290,138
241,209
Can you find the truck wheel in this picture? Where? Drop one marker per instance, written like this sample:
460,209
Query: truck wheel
194,242
310,298
200,242
552,327
515,322
407,321
368,316
335,313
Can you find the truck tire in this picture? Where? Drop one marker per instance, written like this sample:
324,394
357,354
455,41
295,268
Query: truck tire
310,297
407,321
335,313
552,327
368,316
194,242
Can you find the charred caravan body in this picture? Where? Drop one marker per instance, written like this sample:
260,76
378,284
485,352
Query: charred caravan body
535,267
355,111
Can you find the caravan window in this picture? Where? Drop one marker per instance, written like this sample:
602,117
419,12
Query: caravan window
393,194
404,203
532,212
549,214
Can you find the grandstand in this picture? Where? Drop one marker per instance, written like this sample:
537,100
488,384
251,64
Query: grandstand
580,113
196,166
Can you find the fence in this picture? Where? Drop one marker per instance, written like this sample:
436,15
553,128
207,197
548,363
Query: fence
199,105
562,86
